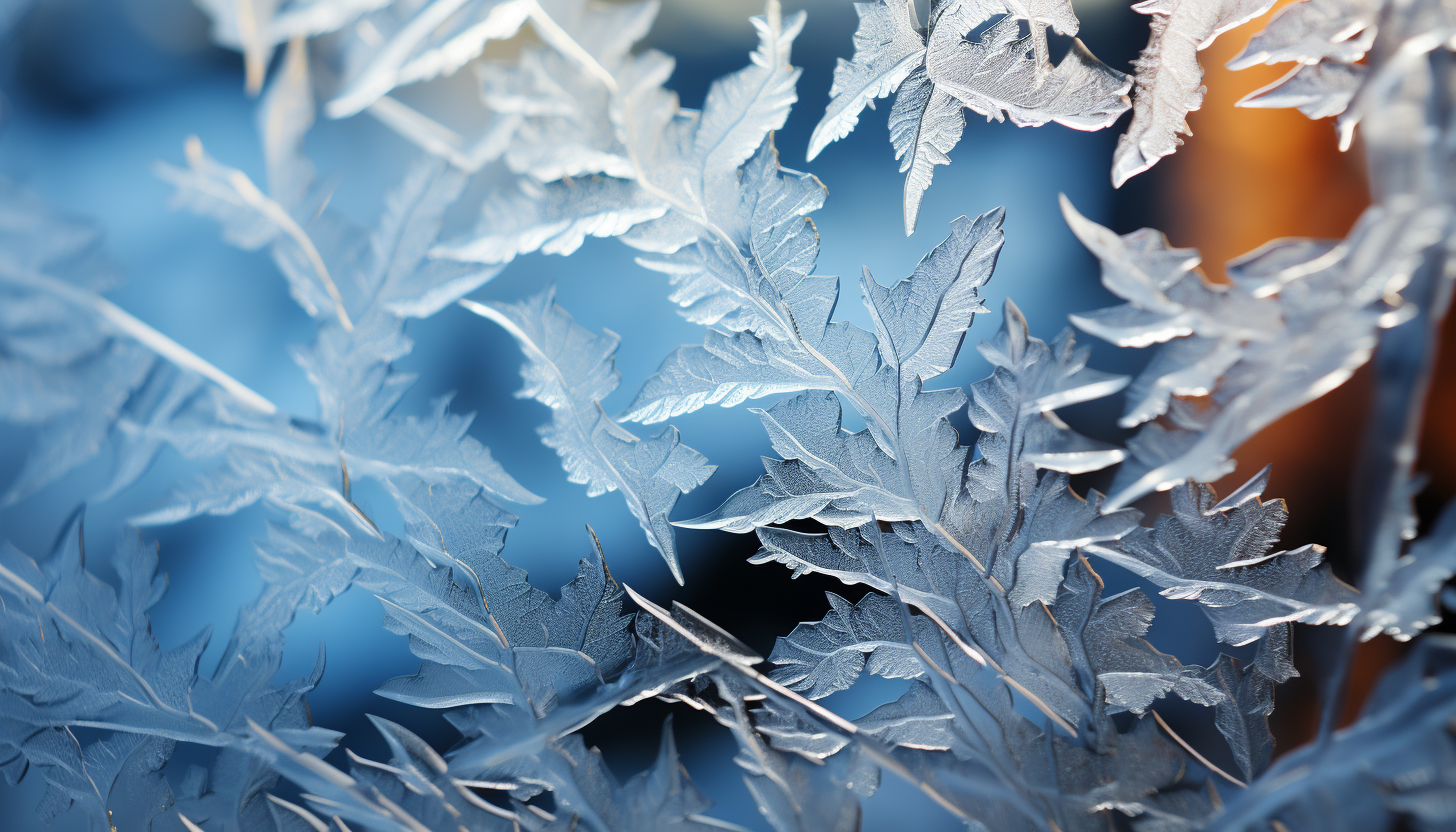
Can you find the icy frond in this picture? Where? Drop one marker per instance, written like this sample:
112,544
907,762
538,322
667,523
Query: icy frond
1003,770
1312,31
521,669
1242,715
536,217
1299,319
925,125
937,72
1317,90
1027,697
1006,73
888,46
803,765
1328,39
1169,79
79,653
306,468
671,174
570,370
1014,407
304,465
417,40
384,270
487,635
907,464
548,108
920,324
829,655
410,792
660,799
974,561
1107,650
794,794
560,111
910,564
1218,554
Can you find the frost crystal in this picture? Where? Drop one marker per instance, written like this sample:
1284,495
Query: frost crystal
938,72
1169,77
1030,697
570,370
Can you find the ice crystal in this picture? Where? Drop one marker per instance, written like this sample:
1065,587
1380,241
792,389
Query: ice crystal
1030,695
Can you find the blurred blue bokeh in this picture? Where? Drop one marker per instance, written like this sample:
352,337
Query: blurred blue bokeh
95,91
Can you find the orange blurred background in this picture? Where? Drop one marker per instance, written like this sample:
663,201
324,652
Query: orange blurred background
1245,177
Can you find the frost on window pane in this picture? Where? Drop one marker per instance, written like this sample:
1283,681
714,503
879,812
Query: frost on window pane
1029,695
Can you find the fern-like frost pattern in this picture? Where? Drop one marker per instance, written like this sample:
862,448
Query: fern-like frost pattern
1030,694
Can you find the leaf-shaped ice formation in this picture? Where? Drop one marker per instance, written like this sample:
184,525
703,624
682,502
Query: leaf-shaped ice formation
888,46
793,793
909,563
812,788
486,634
560,112
907,463
1300,317
1003,769
829,655
303,465
1014,407
982,545
920,324
660,799
1004,73
1319,90
1091,663
1242,716
1218,554
78,653
1169,79
410,792
555,649
302,468
521,668
1112,661
570,370
1312,31
925,125
548,109
917,720
317,249
417,41
670,174
408,42
1326,38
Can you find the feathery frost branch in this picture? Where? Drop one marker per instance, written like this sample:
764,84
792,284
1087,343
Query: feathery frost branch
1029,695
570,371
936,73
